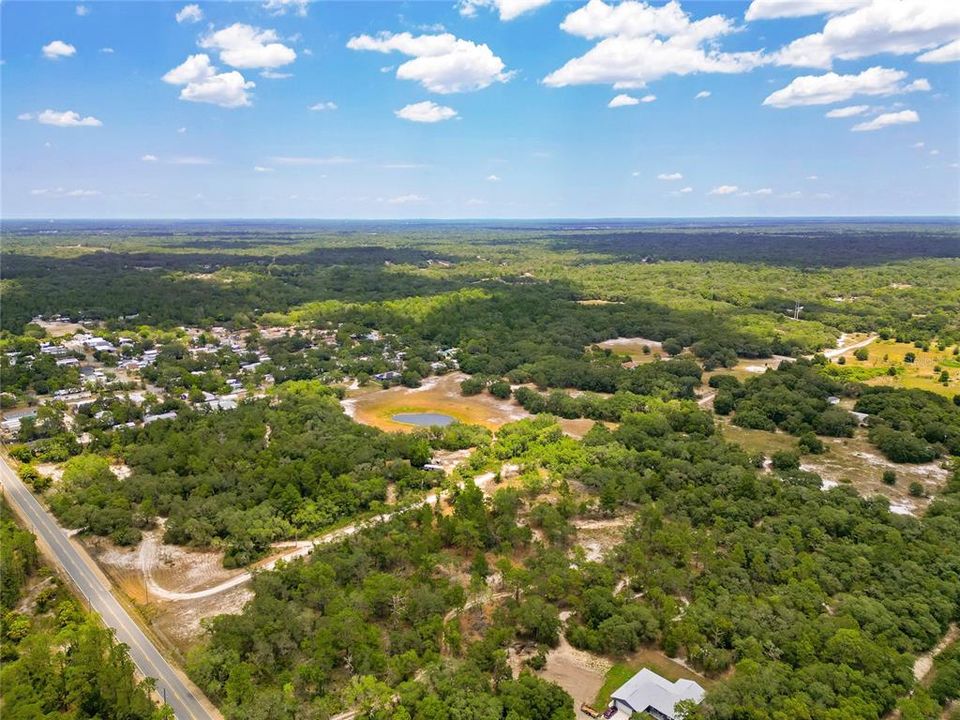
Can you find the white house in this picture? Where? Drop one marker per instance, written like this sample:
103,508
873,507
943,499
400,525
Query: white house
648,692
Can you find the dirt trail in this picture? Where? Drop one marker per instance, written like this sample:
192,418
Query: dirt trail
924,663
148,550
841,348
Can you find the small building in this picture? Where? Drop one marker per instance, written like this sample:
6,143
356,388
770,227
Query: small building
55,350
653,694
10,425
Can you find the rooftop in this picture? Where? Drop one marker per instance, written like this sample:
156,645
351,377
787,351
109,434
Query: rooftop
646,690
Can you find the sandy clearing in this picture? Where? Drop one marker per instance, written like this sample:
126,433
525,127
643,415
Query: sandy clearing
578,672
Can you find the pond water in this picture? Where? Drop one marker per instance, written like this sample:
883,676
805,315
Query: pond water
424,419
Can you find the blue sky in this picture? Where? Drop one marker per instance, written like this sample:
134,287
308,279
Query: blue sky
480,109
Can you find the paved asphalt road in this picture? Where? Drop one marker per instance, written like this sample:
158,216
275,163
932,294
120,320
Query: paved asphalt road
179,696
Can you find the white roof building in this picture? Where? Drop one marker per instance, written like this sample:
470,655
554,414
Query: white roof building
648,692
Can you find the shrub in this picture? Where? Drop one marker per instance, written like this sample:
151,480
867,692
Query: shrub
861,354
902,447
672,346
500,389
889,477
786,460
724,402
472,386
810,443
916,489
835,422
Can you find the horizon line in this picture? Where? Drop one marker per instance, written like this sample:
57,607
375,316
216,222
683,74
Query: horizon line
608,218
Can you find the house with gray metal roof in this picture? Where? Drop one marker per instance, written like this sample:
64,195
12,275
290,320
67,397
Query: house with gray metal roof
648,692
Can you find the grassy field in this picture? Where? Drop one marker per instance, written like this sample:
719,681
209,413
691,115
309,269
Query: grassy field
850,461
651,659
634,348
921,373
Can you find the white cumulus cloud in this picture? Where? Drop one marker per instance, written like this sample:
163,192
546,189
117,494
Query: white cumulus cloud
723,190
831,87
771,9
899,27
848,111
886,120
67,118
149,158
57,49
670,176
702,95
639,43
189,14
507,9
202,83
321,106
425,112
947,53
441,63
82,10
623,100
493,178
244,46
280,7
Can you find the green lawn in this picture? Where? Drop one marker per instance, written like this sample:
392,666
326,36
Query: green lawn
651,659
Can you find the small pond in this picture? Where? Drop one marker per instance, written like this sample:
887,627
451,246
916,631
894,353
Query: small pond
424,419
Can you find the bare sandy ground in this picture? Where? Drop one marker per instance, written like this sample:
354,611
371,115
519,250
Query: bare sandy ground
598,537
580,673
59,329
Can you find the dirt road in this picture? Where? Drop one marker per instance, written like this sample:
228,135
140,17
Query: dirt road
148,550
